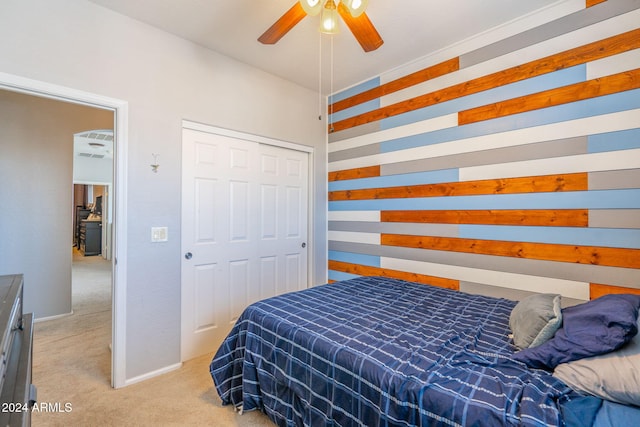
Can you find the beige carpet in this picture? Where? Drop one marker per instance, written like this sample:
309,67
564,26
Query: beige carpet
71,370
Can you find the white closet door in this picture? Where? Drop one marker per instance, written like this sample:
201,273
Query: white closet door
244,231
283,184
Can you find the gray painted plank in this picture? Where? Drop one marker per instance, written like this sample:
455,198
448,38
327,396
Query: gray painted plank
444,230
353,153
628,178
614,218
561,26
539,150
512,294
355,131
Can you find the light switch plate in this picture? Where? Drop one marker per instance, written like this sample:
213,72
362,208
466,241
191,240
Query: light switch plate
159,234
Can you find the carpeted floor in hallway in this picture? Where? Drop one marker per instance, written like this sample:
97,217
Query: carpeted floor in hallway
72,362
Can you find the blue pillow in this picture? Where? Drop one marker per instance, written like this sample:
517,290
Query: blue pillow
595,327
615,415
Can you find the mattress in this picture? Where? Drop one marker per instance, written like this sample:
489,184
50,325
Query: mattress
385,352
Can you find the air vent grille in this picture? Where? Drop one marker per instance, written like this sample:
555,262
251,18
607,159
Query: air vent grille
93,144
106,135
91,155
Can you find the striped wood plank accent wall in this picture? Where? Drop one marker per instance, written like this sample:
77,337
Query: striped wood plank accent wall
511,165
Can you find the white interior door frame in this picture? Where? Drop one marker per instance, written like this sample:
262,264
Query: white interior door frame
120,108
187,124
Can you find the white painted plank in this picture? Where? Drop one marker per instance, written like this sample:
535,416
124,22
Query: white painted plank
614,64
353,237
567,288
594,162
501,32
363,216
623,120
424,126
585,35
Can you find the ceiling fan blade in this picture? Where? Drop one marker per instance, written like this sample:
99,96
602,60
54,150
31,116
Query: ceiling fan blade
283,25
362,29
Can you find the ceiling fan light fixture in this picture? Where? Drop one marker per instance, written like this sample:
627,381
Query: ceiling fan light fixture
311,7
329,18
361,26
356,7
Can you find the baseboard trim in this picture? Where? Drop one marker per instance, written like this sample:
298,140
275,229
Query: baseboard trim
57,316
152,374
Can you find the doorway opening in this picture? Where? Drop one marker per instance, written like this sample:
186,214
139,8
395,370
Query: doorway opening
117,264
92,230
91,265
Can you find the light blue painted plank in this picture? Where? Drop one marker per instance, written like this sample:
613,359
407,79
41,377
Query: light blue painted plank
430,177
355,90
608,237
339,275
553,80
612,141
370,260
623,101
601,199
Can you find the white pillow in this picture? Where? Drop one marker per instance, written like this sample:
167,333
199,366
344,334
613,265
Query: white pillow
612,376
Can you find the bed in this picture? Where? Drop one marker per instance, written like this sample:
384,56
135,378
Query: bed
377,351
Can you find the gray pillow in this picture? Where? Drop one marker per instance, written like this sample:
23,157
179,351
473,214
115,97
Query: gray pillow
612,376
535,319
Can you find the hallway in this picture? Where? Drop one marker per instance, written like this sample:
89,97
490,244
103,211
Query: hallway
71,355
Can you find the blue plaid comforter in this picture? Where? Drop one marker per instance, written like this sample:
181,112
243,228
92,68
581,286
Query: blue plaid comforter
376,351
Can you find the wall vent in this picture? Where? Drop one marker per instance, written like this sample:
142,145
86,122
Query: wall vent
91,155
94,144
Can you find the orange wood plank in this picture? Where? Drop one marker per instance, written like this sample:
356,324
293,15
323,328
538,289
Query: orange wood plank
364,270
597,290
594,2
409,80
580,55
531,184
613,257
368,172
528,217
576,92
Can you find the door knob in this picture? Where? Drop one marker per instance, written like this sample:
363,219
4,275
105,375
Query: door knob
188,255
304,245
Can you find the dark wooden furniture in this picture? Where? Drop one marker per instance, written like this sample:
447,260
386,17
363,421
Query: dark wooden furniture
81,213
17,393
91,237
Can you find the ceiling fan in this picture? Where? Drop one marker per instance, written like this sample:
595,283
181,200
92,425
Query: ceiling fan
351,11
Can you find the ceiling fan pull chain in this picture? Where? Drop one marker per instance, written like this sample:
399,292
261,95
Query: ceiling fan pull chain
320,104
331,91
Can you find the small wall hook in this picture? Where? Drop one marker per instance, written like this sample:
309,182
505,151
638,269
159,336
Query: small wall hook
155,165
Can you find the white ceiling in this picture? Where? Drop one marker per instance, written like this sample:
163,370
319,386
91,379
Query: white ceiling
410,28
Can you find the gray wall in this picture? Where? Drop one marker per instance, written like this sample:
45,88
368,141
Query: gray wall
36,188
164,79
